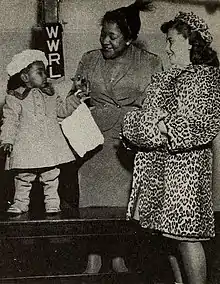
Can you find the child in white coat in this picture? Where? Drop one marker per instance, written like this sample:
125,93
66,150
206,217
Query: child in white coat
31,134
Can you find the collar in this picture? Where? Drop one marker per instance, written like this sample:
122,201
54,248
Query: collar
175,71
188,68
22,93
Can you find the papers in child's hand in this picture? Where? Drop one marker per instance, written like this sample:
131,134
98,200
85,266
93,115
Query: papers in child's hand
81,130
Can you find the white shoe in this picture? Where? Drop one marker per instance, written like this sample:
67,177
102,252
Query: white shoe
51,210
15,209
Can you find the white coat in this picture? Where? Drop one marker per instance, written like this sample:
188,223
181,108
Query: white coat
30,124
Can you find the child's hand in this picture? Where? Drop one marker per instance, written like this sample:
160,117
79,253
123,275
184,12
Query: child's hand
73,99
82,96
7,148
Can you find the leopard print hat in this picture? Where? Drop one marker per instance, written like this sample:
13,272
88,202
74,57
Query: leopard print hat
196,24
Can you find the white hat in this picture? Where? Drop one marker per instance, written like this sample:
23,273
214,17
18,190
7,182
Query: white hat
23,59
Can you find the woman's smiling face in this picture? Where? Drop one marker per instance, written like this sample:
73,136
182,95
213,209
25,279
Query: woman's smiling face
112,40
177,48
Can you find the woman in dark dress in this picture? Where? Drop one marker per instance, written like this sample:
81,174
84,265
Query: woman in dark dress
118,74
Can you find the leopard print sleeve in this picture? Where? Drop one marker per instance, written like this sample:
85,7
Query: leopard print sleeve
197,120
140,127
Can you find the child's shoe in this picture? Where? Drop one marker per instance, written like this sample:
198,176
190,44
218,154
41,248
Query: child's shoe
14,209
52,210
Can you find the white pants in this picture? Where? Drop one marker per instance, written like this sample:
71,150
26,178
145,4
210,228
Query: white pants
23,185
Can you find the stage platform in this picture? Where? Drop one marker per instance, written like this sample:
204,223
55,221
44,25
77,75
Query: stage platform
39,248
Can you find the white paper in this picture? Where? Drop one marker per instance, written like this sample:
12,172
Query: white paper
81,130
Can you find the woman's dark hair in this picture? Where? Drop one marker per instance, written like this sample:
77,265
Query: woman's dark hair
128,18
201,52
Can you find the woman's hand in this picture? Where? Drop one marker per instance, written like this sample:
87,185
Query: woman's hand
162,127
125,142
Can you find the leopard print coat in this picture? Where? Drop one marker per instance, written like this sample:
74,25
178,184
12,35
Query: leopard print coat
171,188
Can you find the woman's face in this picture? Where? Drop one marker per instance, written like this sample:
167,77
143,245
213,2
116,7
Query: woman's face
112,40
177,48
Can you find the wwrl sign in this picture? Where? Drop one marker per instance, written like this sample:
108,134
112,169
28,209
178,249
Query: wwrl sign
53,48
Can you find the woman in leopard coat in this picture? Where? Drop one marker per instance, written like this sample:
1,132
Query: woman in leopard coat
173,134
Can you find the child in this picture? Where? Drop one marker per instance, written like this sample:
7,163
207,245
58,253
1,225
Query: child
31,134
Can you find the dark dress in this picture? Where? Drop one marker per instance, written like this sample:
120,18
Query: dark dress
117,86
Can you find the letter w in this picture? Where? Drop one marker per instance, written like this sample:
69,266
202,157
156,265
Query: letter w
53,45
52,32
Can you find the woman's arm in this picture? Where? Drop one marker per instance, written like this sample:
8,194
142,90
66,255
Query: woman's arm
197,121
141,127
79,90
